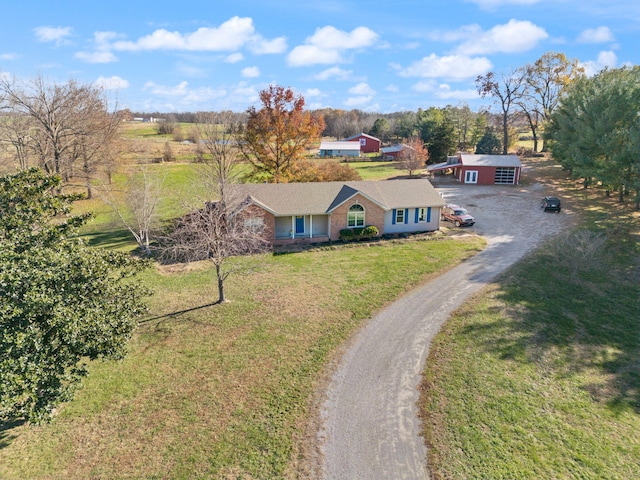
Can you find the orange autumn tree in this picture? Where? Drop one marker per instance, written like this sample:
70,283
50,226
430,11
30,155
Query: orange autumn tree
413,157
278,134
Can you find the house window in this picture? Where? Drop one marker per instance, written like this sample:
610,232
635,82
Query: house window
355,217
254,223
422,214
400,215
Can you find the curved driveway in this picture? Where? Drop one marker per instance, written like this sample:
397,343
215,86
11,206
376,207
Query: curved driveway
368,421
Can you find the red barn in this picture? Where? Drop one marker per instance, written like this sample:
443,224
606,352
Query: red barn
482,169
368,144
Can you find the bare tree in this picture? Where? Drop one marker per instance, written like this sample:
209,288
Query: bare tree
506,90
413,157
66,124
139,216
15,137
221,228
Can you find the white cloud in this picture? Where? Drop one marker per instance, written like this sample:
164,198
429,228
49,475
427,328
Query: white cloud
513,37
605,59
58,35
443,91
392,88
328,44
596,35
111,83
452,66
334,72
96,57
312,55
313,93
9,56
358,101
102,52
178,90
250,72
259,46
231,35
362,89
234,58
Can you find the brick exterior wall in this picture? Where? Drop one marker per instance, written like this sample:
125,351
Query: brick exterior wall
253,211
373,215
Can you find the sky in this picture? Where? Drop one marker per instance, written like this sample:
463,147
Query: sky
379,56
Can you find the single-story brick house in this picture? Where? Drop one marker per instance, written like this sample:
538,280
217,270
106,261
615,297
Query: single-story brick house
368,143
339,149
482,169
316,212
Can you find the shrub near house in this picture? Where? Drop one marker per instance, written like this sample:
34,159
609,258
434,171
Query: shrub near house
360,233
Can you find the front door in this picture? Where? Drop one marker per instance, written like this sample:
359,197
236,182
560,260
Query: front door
299,225
471,176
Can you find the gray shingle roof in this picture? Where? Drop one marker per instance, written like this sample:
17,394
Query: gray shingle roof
491,160
322,197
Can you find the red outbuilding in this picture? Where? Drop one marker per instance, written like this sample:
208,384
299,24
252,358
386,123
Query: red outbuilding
368,144
482,169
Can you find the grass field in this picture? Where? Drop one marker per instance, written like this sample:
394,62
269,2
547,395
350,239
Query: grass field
538,376
222,391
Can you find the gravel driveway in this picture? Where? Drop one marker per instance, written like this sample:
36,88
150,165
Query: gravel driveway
368,419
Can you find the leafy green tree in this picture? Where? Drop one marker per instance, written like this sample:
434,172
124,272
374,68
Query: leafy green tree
438,133
381,129
545,81
595,131
406,125
489,144
61,302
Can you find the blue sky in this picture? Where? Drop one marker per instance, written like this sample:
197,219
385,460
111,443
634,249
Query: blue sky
380,56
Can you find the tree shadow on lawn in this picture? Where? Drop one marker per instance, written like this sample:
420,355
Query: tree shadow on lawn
112,238
6,437
574,321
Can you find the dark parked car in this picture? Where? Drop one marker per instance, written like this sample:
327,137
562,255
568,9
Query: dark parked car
550,204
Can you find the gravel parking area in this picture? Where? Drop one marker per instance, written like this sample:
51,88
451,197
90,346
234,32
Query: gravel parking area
368,427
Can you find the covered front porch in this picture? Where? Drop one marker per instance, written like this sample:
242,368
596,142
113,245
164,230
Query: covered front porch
301,228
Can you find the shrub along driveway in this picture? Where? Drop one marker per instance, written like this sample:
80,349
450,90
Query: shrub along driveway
368,420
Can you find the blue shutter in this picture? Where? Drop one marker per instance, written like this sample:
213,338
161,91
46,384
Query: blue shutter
428,214
393,218
406,215
417,213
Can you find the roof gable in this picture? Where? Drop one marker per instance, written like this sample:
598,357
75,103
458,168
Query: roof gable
352,137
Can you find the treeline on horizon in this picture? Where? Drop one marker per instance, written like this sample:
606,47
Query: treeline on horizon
462,126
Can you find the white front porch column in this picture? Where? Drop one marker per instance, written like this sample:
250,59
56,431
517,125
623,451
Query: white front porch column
310,226
293,226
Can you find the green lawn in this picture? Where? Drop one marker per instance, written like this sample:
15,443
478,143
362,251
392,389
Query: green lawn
538,376
223,391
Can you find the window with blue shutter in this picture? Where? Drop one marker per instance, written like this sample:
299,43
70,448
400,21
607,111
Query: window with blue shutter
406,215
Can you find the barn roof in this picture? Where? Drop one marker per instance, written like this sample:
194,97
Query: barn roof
339,145
490,160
